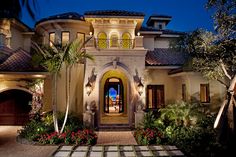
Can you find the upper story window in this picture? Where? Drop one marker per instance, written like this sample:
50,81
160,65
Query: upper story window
52,38
204,93
126,40
155,96
65,38
102,40
114,40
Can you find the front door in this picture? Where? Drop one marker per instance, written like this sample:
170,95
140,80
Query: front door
113,96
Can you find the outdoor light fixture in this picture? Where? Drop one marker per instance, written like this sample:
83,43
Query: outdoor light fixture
138,33
88,87
140,88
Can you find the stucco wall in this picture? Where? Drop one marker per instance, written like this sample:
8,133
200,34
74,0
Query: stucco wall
161,77
76,90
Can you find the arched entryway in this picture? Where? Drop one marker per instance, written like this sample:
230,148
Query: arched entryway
114,98
14,107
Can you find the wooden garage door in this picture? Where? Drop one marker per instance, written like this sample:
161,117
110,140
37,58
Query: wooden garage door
14,108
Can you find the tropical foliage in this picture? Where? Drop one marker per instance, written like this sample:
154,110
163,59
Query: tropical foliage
41,130
187,126
214,55
53,58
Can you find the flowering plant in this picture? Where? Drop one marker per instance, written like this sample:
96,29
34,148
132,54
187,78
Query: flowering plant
148,136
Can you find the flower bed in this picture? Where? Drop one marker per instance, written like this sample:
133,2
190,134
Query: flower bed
148,136
81,137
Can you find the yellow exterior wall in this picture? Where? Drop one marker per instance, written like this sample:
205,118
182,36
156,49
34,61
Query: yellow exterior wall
76,90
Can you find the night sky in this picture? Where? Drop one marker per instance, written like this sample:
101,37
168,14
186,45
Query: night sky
187,15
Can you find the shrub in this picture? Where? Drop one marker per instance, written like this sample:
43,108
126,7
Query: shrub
41,129
148,136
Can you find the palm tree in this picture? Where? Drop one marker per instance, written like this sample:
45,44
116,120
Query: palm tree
13,8
73,54
52,58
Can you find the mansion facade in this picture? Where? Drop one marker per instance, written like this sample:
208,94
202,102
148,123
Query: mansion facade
134,65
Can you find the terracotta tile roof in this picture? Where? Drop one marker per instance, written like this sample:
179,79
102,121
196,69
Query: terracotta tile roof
113,13
17,61
69,15
164,31
165,57
5,52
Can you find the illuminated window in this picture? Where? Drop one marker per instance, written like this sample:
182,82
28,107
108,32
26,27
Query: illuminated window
65,38
155,96
51,39
204,93
80,36
184,97
114,40
102,40
126,41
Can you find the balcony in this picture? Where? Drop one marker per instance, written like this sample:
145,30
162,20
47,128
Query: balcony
115,43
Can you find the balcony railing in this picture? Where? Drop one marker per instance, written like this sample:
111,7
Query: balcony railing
97,43
114,43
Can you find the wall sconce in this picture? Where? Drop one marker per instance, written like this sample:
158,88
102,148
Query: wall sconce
140,87
88,87
138,33
91,80
90,33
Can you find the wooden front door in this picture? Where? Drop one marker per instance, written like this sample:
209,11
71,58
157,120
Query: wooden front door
14,107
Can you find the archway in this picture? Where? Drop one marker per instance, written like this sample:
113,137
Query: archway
15,106
114,98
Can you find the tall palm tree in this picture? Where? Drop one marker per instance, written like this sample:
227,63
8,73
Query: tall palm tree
73,54
52,58
14,8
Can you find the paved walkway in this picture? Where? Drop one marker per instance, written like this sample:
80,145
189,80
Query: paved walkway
10,148
117,151
109,144
115,138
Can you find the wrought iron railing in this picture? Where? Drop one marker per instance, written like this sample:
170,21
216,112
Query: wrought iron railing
114,43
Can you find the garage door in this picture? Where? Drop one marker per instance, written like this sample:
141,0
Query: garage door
14,107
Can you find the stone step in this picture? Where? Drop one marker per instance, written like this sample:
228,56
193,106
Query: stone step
116,127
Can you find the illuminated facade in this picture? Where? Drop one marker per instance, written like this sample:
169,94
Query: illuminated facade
134,65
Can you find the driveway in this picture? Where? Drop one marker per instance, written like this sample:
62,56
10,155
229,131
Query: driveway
10,148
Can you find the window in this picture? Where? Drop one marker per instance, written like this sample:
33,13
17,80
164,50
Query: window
65,38
114,40
80,36
102,40
204,93
51,38
126,40
184,97
160,26
155,96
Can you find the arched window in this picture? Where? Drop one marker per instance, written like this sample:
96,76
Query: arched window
102,40
114,40
126,40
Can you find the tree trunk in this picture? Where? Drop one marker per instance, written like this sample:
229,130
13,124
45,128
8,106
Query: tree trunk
68,80
54,108
228,118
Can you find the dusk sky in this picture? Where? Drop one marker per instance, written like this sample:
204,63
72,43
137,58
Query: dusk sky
187,15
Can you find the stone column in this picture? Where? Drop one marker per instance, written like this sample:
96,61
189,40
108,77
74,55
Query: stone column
88,118
139,115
